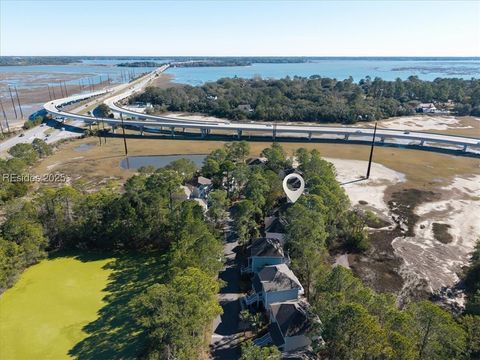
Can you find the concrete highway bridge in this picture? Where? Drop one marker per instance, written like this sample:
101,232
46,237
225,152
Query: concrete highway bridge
154,123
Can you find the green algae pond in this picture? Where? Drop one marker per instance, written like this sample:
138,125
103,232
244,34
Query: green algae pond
76,306
42,316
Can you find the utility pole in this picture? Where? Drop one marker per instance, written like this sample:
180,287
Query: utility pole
18,101
4,115
275,131
98,133
13,103
65,86
61,90
124,138
371,150
104,133
49,92
53,92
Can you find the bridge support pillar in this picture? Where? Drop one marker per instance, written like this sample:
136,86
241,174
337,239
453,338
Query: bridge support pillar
90,126
346,137
465,147
309,136
204,132
382,139
422,142
172,131
239,134
114,129
142,131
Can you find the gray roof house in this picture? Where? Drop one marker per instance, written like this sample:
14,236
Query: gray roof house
256,161
201,188
274,284
263,252
275,228
289,326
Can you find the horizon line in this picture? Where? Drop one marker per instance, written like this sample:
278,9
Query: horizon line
265,56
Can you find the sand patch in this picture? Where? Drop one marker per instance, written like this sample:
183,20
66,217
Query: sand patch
428,258
424,123
350,173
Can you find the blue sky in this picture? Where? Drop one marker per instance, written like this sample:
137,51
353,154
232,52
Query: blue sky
295,28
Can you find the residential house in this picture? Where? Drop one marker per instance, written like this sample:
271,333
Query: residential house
201,187
274,284
275,228
289,326
256,161
183,194
245,107
263,252
426,108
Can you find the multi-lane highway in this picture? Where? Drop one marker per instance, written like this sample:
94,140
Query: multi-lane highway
204,128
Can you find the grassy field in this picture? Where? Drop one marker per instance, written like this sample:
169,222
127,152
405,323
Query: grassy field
423,169
76,306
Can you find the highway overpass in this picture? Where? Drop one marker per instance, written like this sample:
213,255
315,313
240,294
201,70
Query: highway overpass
144,122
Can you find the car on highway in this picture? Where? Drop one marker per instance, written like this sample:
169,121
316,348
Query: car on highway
21,135
358,132
406,132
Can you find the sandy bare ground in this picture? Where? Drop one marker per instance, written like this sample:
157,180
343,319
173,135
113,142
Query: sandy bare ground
428,258
425,123
350,173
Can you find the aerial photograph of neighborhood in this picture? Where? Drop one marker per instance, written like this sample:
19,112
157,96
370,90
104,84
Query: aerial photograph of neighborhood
241,179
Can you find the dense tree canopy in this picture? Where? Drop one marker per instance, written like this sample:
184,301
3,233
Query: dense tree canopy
314,98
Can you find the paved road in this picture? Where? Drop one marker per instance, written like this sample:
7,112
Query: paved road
227,333
50,132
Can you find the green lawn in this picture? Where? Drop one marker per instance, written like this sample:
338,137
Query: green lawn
77,306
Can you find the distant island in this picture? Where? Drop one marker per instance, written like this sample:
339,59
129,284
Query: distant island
196,61
139,64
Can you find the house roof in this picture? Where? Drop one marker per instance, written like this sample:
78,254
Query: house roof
276,226
204,181
256,161
291,318
266,247
276,334
276,278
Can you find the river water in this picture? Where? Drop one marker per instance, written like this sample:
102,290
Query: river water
32,81
387,69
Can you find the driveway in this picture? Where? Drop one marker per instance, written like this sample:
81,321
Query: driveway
226,331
